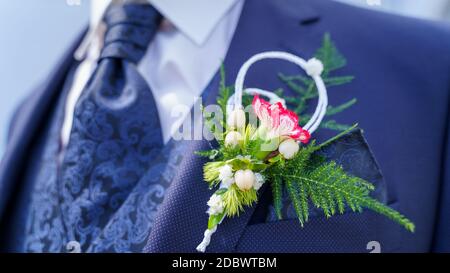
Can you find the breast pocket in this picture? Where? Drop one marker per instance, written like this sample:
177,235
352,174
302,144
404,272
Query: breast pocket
350,232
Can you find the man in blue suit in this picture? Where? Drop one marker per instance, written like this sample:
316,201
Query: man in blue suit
91,158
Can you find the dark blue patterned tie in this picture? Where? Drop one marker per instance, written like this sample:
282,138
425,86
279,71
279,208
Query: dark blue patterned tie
116,130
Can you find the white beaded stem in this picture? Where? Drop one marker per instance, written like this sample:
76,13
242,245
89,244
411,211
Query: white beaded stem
206,239
209,232
321,108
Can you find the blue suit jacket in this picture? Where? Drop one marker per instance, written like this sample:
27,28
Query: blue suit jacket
402,70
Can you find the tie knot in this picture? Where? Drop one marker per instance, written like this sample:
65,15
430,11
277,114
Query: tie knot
130,28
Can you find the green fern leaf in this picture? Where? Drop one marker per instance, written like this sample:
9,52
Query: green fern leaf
333,110
277,192
334,125
330,188
330,56
303,199
334,81
308,177
211,154
224,91
293,194
389,212
290,82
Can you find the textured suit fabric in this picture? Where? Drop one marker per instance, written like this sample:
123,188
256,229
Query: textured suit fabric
402,82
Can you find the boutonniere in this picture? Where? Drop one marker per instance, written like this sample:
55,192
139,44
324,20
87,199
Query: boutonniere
263,142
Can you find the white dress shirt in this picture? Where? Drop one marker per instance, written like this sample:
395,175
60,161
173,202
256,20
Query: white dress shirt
181,60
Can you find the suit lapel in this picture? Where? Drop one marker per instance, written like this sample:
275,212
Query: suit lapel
28,124
264,25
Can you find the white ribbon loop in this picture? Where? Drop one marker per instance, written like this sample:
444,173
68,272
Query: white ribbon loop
312,67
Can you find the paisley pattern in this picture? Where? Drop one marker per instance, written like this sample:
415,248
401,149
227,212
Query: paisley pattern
129,227
355,156
109,151
126,230
44,229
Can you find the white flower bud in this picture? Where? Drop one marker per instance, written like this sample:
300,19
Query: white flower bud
288,148
226,175
236,119
245,179
233,138
215,204
226,183
225,172
259,181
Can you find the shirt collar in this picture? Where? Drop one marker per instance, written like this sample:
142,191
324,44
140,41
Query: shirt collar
195,18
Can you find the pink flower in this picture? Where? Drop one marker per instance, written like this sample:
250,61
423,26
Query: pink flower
279,121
